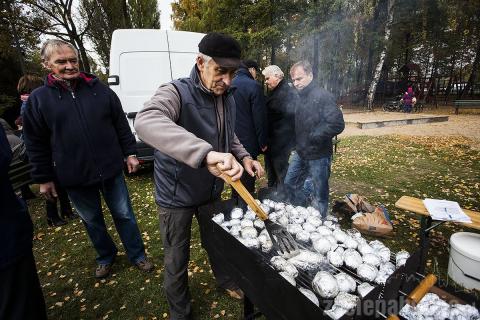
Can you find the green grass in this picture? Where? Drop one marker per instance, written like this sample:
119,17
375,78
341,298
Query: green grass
381,168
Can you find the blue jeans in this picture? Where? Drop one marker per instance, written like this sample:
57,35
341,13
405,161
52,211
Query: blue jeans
87,202
319,172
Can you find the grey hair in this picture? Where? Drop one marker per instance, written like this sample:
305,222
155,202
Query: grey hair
205,57
52,45
306,66
273,70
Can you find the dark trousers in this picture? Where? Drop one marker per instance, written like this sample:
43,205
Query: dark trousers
20,292
277,167
175,230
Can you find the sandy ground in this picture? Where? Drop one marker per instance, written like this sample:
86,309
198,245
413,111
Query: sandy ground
467,125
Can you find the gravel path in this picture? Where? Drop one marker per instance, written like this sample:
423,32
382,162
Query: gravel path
467,125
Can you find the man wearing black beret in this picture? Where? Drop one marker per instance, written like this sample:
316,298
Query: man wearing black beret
191,124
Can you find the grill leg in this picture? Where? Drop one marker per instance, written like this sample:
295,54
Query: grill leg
425,224
248,309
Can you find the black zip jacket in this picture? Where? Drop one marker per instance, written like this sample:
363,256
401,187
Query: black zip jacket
80,135
317,121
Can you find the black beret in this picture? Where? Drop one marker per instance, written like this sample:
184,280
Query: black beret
222,48
251,64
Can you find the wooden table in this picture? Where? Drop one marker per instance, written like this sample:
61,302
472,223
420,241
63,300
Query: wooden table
415,205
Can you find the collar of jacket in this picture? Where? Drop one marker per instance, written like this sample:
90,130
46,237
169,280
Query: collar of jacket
306,91
195,76
84,77
244,71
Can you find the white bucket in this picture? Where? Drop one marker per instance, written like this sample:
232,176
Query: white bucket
464,262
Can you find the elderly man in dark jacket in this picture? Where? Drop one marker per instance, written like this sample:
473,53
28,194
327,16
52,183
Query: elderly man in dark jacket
317,121
281,103
20,292
75,129
251,115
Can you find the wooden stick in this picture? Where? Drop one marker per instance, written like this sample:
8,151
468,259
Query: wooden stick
423,287
246,196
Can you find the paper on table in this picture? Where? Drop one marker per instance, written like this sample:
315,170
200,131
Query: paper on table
446,210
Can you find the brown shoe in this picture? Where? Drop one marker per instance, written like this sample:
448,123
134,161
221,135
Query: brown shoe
145,265
103,270
235,293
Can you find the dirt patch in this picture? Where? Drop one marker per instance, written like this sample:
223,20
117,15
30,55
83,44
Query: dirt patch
466,125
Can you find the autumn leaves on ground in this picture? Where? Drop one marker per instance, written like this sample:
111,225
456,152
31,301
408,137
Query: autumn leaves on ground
381,168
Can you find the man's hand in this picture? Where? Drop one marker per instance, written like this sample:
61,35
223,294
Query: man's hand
226,163
252,167
48,190
132,164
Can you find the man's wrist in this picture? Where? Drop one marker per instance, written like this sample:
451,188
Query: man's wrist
247,157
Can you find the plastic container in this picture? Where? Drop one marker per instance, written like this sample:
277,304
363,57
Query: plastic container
464,262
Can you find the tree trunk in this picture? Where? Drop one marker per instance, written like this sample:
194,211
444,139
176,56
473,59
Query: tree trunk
18,47
448,89
378,69
473,75
316,43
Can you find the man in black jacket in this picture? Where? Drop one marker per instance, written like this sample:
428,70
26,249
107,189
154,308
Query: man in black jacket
20,291
75,130
281,124
250,120
317,121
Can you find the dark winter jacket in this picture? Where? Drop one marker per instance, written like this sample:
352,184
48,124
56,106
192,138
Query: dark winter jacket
317,121
281,119
79,135
16,230
251,120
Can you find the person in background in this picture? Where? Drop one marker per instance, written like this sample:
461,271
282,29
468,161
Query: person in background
20,291
76,131
317,121
191,124
251,116
281,102
26,84
408,100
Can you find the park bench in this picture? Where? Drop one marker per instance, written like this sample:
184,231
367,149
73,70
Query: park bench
416,206
19,174
469,104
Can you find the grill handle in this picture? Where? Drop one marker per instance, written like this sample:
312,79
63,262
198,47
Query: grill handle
421,290
245,195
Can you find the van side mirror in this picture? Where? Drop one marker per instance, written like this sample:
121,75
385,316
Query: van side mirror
113,80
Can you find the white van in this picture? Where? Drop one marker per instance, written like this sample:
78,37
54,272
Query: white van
143,59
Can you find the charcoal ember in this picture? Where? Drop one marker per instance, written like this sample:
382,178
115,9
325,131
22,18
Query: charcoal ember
314,221
289,278
259,224
335,258
309,227
352,258
345,282
303,236
324,231
307,260
246,223
336,312
236,213
322,245
325,284
367,272
281,264
346,300
310,295
218,218
364,288
249,233
371,259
